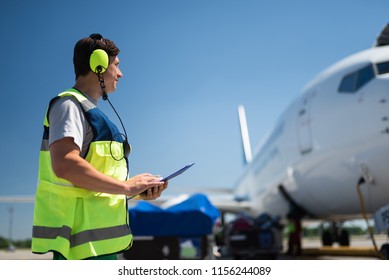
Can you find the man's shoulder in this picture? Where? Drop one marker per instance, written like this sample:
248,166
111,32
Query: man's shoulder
66,101
64,108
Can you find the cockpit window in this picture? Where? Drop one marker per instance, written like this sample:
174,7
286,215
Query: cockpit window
348,83
383,68
352,82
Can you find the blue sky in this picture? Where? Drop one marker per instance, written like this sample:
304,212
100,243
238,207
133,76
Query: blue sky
187,65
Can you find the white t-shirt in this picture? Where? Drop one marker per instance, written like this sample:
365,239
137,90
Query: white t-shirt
67,119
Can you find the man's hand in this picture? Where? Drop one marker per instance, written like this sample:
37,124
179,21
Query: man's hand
146,186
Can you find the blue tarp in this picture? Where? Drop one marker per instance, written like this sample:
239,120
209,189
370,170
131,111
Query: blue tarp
194,216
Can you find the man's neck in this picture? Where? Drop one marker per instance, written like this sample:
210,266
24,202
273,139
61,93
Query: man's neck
89,85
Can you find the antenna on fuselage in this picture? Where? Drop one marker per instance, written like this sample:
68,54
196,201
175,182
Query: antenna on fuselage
244,134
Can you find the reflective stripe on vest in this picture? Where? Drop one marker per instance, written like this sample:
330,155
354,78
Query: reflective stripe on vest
82,237
74,221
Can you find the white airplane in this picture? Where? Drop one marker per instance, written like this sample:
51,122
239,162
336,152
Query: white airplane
327,157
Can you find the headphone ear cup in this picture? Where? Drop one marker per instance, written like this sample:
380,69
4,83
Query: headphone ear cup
99,61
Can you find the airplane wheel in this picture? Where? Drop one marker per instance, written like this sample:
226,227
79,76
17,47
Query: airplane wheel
344,239
385,251
326,238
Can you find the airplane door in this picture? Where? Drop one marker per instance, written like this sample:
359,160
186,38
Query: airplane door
304,125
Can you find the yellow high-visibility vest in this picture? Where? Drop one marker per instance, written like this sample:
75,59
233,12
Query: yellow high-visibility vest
71,220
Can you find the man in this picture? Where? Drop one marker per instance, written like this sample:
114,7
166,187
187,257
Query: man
294,230
81,200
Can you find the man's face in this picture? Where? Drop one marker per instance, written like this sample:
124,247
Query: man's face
112,74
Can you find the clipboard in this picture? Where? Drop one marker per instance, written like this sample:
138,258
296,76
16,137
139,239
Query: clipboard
178,172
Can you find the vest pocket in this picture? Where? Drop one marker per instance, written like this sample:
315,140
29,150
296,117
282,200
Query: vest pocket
107,157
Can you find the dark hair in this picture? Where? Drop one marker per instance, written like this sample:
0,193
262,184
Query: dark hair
84,48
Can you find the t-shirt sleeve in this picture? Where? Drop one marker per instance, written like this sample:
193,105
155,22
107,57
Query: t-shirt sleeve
67,119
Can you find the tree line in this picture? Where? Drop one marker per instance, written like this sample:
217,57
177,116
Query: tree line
4,243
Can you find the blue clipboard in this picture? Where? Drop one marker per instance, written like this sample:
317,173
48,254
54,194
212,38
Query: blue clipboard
178,172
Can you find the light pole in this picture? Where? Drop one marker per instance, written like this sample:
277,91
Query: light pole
10,245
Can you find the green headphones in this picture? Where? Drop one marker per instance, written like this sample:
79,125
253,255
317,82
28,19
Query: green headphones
99,59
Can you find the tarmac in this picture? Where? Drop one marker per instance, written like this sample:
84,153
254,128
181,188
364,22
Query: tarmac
23,254
361,248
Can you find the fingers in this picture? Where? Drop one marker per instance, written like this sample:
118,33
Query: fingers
147,180
155,192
